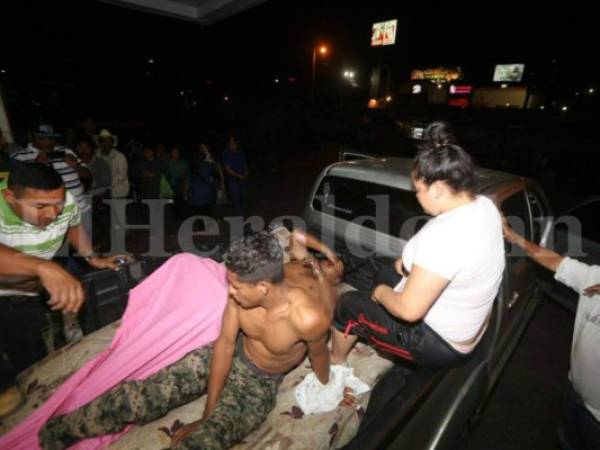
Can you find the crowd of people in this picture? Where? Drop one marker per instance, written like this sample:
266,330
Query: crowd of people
195,178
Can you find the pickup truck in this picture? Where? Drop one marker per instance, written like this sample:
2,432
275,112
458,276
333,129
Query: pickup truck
412,407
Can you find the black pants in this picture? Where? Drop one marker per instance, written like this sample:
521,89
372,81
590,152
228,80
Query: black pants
358,315
22,320
578,428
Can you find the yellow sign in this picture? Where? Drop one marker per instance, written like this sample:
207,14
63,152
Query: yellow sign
443,74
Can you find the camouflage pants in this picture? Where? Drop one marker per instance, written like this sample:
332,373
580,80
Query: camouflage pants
244,403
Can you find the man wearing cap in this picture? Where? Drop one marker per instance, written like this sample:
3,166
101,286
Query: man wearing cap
117,162
36,214
44,149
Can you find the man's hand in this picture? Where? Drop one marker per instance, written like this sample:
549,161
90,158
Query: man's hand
70,160
509,234
184,432
337,263
108,262
592,290
349,399
314,266
65,291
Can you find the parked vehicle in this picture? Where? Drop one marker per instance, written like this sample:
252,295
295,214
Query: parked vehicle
417,408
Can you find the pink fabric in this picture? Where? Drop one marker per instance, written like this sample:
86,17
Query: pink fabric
172,312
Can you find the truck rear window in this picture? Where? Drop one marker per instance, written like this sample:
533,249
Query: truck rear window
389,210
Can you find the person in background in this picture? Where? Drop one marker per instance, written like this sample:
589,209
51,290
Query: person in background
161,152
579,427
98,190
236,174
117,162
36,214
44,149
70,137
206,178
178,175
101,172
148,172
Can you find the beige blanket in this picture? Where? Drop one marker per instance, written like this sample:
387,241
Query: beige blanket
285,429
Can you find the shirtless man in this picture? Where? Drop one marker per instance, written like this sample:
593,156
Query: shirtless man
270,323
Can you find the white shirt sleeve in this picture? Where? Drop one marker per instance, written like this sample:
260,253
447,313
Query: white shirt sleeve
25,155
120,183
575,274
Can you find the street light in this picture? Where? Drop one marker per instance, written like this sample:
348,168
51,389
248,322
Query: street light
322,50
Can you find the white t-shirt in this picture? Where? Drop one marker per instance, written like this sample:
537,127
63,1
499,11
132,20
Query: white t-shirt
585,351
466,247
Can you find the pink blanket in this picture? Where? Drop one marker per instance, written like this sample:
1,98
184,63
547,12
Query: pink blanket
175,310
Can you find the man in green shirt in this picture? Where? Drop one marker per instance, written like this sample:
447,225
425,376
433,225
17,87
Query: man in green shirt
36,214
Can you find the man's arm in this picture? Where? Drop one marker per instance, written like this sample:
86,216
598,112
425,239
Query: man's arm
222,359
543,256
312,324
300,241
422,289
65,291
79,239
319,356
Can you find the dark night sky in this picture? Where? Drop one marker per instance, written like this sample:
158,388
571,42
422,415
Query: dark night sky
102,49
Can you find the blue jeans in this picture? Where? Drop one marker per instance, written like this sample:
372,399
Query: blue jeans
578,429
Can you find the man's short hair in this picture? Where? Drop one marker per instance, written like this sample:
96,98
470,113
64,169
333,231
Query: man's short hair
33,175
256,257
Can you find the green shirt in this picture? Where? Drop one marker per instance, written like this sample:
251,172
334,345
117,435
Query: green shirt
29,239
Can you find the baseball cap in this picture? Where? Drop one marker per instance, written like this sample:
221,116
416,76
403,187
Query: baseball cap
45,130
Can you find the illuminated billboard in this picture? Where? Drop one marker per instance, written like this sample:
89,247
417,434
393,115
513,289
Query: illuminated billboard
437,74
509,73
384,33
460,90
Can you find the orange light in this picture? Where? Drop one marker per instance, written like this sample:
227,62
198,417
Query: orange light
323,50
372,103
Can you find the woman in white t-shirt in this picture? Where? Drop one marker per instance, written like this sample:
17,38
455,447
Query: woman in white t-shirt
452,269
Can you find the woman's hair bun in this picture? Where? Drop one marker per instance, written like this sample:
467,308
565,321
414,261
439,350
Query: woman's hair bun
439,134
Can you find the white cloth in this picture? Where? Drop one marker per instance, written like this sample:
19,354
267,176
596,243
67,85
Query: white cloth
118,165
466,247
585,351
314,397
